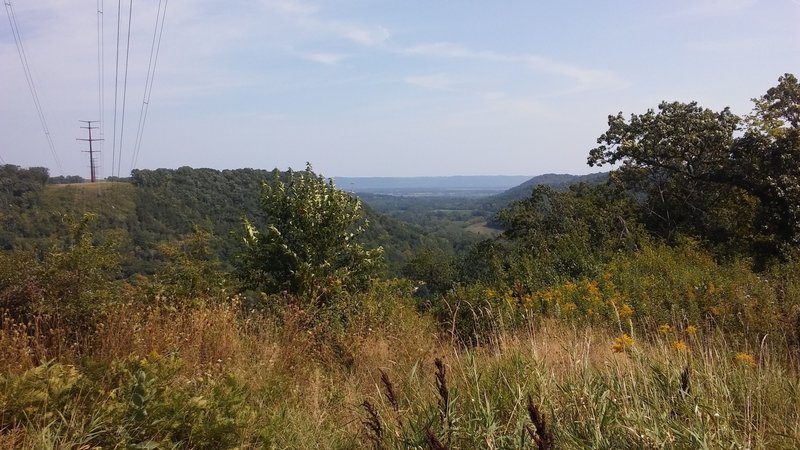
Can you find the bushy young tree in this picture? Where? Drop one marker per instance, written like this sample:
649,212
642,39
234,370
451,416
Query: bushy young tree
310,244
190,274
434,267
555,235
71,283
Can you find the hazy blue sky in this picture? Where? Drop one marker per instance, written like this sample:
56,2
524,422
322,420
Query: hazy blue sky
383,88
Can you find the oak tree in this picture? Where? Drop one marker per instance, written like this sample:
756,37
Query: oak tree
714,174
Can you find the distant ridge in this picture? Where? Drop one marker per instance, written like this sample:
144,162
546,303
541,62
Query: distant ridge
497,183
554,180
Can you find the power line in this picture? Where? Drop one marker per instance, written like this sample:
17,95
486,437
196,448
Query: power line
100,66
23,56
125,88
158,31
116,91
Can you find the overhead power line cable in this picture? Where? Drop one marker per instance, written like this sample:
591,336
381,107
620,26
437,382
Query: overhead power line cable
125,89
116,91
158,31
23,57
100,67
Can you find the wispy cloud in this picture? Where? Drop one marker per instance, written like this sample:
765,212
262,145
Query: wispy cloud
309,18
500,102
358,33
324,58
712,8
291,7
587,78
434,81
726,46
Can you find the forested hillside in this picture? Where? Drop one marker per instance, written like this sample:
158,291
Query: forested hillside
156,206
556,181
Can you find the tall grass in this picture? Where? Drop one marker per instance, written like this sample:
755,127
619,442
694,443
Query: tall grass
219,376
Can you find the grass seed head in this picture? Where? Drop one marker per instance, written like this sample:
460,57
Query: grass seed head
389,387
540,434
373,424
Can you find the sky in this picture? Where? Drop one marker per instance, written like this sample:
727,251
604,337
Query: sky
374,87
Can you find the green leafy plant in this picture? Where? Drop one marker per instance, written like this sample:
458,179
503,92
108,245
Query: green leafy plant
70,283
310,244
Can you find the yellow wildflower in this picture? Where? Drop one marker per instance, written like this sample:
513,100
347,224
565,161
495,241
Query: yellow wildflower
622,344
592,289
691,330
664,329
569,307
679,346
626,311
745,359
527,299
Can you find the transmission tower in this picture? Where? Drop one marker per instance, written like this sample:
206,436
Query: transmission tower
91,150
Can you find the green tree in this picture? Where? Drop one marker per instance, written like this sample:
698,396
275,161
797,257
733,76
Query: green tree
434,267
191,273
712,174
71,283
555,235
766,160
309,246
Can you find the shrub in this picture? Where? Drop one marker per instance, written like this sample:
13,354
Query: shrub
69,284
309,245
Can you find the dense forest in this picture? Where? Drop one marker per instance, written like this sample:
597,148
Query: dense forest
155,206
653,306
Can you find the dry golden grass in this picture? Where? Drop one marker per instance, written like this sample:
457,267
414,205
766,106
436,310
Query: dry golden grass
307,387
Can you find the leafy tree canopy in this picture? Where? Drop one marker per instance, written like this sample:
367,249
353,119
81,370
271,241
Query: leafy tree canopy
309,246
714,174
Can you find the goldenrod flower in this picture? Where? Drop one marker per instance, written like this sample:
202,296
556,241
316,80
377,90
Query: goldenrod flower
626,311
691,330
592,289
664,329
622,344
679,346
745,359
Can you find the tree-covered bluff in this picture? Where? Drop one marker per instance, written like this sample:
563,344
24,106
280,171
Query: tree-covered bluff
161,205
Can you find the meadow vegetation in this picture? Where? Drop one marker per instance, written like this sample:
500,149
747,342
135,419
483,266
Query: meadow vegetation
603,315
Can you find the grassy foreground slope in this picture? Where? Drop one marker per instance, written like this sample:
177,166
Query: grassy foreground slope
219,377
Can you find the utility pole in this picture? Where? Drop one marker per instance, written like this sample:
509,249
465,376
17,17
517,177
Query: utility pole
91,151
